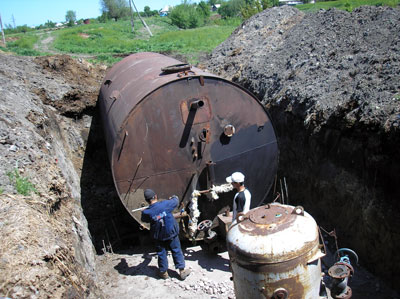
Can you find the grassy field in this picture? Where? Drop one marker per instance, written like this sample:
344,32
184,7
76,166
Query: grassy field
112,39
22,44
109,42
348,5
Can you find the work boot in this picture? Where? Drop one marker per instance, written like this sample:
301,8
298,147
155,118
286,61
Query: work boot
163,275
184,273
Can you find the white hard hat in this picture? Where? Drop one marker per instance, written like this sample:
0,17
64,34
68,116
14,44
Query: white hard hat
236,177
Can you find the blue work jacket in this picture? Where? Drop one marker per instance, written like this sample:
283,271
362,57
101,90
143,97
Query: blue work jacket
162,223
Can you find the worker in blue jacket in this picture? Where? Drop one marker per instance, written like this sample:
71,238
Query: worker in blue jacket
165,232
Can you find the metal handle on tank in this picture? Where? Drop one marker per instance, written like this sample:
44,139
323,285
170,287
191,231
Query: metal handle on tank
176,68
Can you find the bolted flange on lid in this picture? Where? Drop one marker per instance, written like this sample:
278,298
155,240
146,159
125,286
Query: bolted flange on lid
273,233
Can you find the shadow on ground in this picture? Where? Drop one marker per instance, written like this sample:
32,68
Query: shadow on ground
110,225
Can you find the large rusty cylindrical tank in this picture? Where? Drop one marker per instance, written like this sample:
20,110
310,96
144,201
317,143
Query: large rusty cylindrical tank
275,253
175,129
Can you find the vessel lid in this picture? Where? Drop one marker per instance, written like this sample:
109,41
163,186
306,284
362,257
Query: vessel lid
273,233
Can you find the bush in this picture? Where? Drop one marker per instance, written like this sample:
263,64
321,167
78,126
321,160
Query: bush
187,16
18,29
231,8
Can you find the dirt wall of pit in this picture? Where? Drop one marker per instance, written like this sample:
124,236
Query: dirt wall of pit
45,116
331,83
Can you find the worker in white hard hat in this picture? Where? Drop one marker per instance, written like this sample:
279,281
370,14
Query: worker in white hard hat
242,199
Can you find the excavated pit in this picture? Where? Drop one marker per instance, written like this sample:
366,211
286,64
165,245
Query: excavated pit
330,81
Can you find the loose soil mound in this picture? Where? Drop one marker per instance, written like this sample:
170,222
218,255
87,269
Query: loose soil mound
331,82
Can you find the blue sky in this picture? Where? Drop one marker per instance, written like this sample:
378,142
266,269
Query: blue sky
36,12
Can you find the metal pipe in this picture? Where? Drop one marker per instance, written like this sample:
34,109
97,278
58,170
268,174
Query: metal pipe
180,215
196,104
211,172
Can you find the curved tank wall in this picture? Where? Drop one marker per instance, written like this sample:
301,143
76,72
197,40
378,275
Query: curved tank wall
183,129
275,253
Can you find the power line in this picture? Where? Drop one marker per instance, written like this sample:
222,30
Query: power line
2,32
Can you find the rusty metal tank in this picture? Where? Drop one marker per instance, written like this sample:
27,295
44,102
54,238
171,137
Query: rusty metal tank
275,252
175,128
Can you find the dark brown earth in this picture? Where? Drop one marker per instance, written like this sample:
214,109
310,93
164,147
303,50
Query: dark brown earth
331,83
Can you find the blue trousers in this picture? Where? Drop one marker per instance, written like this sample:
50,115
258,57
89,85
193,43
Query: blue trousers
175,246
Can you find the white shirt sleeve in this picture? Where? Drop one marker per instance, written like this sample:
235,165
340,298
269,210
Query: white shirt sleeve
234,208
247,203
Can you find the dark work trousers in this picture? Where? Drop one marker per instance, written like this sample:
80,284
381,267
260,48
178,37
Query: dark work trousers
175,246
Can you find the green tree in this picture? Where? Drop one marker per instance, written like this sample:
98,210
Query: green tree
116,9
186,16
253,7
23,28
231,8
204,10
70,17
18,29
147,11
50,24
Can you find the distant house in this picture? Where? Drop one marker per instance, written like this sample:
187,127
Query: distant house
86,21
164,12
215,7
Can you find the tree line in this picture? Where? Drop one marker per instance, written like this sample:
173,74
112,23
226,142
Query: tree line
186,15
190,14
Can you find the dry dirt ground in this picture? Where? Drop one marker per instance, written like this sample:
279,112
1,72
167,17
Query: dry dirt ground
134,275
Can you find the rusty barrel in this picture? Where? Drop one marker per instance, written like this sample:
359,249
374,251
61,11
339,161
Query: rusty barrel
275,253
175,128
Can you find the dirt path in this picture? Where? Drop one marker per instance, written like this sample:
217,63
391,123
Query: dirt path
45,42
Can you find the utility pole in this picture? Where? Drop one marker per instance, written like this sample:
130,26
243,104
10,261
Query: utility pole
132,24
143,22
2,32
13,19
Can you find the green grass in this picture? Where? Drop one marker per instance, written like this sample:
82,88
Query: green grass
111,39
1,190
348,5
21,184
109,42
191,42
23,44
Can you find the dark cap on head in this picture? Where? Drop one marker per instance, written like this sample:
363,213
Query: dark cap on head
149,194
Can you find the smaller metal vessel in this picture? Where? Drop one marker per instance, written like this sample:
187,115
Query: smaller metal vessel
275,252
